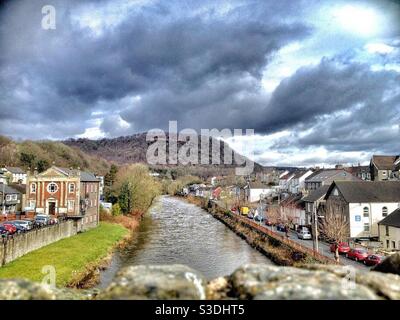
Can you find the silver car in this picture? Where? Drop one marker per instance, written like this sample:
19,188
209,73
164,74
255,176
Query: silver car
304,234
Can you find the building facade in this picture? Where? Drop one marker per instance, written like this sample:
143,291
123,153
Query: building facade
385,168
15,174
389,231
70,193
10,199
364,204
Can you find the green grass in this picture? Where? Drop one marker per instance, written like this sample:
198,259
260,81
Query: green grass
69,256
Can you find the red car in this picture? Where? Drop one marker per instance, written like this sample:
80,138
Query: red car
357,254
11,229
343,247
373,260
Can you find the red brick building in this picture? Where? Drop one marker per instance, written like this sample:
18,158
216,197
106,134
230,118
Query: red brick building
71,193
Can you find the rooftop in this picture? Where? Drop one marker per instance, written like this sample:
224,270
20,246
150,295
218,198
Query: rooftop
384,162
367,191
317,194
15,170
325,174
7,189
392,220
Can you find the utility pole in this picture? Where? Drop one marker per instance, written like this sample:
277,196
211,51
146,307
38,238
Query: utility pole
4,199
315,242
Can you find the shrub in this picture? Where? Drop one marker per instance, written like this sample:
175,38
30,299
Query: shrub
116,210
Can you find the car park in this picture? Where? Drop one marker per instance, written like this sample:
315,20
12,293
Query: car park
373,259
357,254
304,234
343,247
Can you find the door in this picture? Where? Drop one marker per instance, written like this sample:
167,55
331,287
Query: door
52,208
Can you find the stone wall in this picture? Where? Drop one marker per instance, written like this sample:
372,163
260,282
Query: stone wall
249,282
13,248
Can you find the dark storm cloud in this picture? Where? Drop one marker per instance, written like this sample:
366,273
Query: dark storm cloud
153,53
327,88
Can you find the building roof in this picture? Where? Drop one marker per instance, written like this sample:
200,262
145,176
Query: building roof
317,194
15,170
19,187
8,189
392,220
84,177
384,162
367,191
335,174
258,185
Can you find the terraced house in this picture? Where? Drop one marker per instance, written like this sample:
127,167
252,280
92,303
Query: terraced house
385,168
70,193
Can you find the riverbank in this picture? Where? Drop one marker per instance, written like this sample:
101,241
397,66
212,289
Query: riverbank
281,251
74,259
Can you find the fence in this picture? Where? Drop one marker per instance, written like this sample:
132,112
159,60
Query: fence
290,243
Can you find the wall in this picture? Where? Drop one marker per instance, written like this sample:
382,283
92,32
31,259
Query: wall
13,248
394,235
375,210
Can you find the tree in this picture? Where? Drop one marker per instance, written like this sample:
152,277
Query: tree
42,165
335,227
274,215
109,178
125,198
27,159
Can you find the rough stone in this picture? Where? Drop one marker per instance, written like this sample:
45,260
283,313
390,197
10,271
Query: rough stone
218,289
156,282
390,265
26,290
271,282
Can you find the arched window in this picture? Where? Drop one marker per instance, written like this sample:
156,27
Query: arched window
52,187
33,188
384,211
71,187
366,212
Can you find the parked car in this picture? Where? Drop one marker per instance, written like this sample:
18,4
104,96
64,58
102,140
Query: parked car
342,246
304,234
11,229
357,254
41,220
53,221
259,218
267,222
281,227
250,215
373,260
3,231
25,224
19,228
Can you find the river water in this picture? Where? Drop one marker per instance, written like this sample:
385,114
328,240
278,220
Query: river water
176,232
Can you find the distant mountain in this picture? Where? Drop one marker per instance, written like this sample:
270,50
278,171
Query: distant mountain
133,149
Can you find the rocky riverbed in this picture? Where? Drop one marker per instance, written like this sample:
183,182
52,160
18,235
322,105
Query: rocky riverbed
251,281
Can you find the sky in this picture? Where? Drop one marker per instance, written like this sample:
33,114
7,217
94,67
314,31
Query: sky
318,81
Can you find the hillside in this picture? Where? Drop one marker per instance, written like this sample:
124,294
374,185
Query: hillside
133,149
42,154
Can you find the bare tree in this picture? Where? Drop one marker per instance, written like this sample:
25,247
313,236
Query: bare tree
274,215
335,227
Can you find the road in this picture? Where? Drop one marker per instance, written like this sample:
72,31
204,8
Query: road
324,249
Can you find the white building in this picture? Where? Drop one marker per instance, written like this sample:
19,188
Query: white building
297,183
255,191
364,204
389,231
17,175
284,181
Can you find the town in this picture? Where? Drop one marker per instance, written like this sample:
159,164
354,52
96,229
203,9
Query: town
353,211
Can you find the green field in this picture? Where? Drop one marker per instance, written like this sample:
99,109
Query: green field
69,256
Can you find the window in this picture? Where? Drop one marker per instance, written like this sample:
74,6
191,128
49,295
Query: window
33,188
366,227
335,192
8,197
384,211
394,244
387,230
52,187
71,205
387,244
366,212
32,204
71,187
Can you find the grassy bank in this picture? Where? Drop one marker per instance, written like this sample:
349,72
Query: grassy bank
70,257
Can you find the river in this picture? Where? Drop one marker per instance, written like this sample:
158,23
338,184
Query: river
176,232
